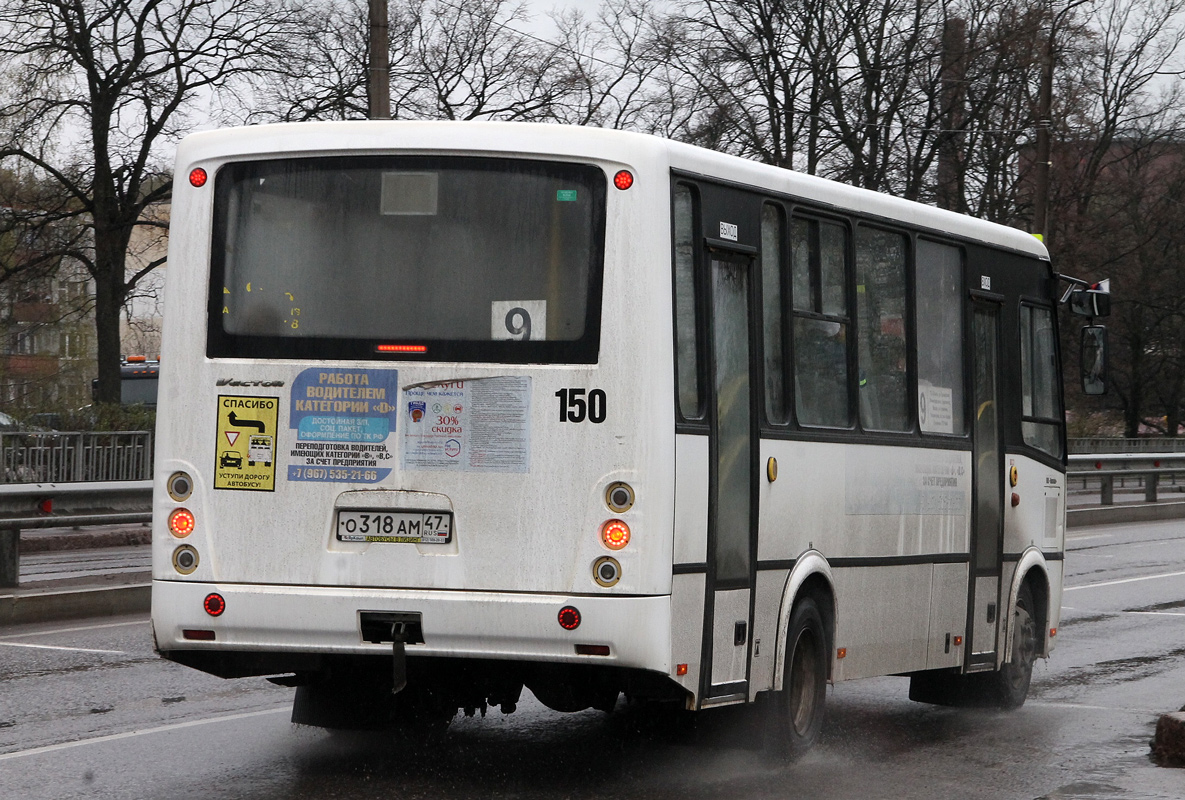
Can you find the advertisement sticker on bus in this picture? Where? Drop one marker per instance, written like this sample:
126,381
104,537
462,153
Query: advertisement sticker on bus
246,447
480,425
342,419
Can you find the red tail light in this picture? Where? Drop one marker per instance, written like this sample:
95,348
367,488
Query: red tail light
181,522
615,534
214,604
569,618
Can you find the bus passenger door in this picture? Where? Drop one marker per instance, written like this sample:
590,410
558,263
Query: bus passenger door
731,480
988,488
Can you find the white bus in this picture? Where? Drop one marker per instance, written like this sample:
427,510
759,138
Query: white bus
595,413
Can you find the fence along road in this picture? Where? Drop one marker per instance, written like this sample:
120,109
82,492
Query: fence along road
52,480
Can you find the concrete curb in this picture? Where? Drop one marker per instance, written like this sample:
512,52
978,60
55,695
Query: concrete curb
1128,512
25,606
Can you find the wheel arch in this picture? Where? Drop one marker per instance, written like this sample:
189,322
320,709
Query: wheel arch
1032,570
810,577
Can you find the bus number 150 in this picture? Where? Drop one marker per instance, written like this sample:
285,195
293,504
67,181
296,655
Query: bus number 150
574,408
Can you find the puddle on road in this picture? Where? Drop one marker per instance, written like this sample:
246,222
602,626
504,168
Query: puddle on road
1122,670
1084,790
1069,623
1159,606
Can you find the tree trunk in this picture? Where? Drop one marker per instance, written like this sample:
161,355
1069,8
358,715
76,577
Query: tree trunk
111,241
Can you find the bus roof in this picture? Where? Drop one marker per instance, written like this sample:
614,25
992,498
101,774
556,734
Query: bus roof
524,139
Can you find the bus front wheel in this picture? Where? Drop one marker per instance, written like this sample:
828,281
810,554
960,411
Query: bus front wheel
796,712
1005,688
1013,679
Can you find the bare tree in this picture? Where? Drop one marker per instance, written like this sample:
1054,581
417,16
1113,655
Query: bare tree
99,88
615,66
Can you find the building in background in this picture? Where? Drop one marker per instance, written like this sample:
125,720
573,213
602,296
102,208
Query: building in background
47,324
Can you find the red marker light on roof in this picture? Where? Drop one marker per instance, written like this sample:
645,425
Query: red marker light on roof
623,179
197,178
214,604
402,348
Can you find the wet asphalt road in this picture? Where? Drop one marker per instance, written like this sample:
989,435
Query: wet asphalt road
88,711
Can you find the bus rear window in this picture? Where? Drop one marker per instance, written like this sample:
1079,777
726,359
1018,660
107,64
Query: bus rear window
474,259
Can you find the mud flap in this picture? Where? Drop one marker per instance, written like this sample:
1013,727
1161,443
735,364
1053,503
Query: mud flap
399,635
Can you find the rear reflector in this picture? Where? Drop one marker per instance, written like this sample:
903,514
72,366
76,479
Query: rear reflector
592,649
198,636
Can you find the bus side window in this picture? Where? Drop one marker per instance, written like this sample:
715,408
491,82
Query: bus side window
882,354
686,344
773,325
939,293
1040,400
820,322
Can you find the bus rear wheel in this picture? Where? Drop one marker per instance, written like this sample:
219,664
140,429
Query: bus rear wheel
796,712
1005,688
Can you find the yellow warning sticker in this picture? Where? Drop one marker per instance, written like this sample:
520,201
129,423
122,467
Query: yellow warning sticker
245,456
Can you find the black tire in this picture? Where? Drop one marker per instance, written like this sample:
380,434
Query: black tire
796,712
1013,679
1006,688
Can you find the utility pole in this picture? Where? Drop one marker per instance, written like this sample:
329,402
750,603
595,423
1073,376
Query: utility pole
1044,138
950,153
378,72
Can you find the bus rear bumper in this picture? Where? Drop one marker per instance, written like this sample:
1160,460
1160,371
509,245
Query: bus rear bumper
322,621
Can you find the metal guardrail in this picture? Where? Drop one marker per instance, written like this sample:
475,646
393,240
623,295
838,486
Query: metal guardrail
58,505
1147,472
53,457
1104,445
124,495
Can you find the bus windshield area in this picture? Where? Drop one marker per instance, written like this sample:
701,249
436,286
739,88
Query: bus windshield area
478,255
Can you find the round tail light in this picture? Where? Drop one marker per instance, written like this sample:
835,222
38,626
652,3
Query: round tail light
181,522
185,559
619,497
615,534
569,618
606,571
180,486
214,604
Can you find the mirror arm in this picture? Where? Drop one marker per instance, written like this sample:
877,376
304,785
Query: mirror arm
1072,281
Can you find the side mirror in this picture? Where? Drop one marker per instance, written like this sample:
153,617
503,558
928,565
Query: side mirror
1093,358
1090,303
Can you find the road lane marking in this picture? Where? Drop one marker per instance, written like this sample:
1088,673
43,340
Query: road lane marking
50,748
53,647
1123,580
74,629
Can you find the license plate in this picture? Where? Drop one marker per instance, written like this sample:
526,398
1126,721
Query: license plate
414,527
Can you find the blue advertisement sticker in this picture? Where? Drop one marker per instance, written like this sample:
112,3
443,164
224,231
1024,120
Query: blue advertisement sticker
344,405
343,418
